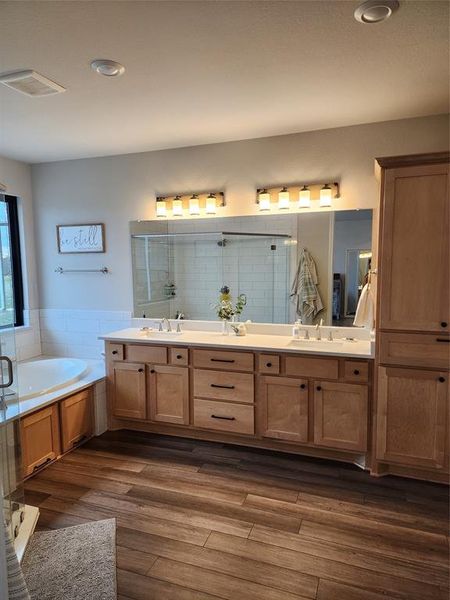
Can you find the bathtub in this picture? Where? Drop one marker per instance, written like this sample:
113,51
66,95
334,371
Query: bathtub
39,377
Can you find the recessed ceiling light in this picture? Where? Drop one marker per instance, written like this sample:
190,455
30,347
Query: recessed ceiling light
375,11
109,68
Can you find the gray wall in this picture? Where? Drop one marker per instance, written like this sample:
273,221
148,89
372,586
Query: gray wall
117,189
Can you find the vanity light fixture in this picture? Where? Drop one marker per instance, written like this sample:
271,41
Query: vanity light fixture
304,197
283,199
264,199
194,205
211,204
325,196
177,206
161,208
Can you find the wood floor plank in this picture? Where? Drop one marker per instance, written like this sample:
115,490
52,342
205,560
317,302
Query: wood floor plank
241,567
188,465
135,561
218,584
102,461
361,558
140,587
331,590
66,479
323,568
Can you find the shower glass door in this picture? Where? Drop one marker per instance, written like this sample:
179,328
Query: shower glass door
10,457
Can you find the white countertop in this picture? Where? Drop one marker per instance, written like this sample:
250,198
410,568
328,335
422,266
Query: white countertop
258,342
95,372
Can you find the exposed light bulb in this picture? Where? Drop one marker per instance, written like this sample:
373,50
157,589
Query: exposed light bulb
283,199
211,204
177,207
264,200
325,196
161,208
304,198
194,205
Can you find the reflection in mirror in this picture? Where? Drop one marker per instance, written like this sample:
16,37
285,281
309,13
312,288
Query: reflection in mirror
287,266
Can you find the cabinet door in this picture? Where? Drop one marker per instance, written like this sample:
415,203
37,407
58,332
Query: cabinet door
284,408
76,419
412,417
40,439
414,274
340,415
129,391
169,394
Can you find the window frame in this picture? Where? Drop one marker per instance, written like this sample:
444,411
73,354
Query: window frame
16,261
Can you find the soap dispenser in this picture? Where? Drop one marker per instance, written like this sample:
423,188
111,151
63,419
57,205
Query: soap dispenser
296,329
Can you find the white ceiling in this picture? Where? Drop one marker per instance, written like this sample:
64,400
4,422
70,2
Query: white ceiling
212,71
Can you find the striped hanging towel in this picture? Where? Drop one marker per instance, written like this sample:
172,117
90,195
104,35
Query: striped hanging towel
17,588
304,291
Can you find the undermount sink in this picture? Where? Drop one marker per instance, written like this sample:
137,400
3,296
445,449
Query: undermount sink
316,344
161,334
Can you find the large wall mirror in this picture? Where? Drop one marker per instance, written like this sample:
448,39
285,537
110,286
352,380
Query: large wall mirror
312,266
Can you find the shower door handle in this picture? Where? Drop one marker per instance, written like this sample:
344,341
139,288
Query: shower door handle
10,372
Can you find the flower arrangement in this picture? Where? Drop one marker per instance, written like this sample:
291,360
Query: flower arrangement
225,309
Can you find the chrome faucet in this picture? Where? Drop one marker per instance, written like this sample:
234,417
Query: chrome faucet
306,333
318,330
165,320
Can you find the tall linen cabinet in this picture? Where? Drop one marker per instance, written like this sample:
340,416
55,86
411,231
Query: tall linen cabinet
411,428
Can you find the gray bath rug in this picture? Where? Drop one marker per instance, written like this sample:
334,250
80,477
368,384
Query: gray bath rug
76,563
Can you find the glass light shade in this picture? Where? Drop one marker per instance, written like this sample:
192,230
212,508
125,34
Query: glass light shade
325,196
283,199
161,208
211,205
194,205
264,200
304,198
177,207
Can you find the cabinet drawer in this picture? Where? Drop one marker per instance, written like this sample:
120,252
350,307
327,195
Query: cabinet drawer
224,416
115,351
269,364
147,354
237,387
323,368
223,360
179,356
355,371
40,438
415,350
76,419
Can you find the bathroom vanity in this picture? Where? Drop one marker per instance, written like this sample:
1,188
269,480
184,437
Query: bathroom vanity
257,390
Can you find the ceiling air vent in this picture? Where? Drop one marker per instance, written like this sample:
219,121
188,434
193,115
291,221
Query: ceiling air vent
31,83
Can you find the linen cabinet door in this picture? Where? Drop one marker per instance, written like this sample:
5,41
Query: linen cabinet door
340,415
414,274
169,394
412,417
76,419
40,439
129,391
284,408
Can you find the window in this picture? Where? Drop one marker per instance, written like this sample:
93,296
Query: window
11,283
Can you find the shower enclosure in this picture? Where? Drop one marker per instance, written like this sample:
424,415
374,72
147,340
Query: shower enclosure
182,273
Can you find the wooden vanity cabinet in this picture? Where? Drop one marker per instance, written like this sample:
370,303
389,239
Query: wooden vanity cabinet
340,415
129,397
284,408
40,439
168,394
76,414
412,417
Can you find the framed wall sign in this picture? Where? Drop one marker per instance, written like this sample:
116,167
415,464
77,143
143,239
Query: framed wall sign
80,239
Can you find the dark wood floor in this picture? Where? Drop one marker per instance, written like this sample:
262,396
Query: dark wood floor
203,521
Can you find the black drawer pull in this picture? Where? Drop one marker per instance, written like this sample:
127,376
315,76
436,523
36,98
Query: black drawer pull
223,418
82,439
142,370
114,352
303,386
318,388
47,460
442,379
444,324
152,371
443,340
268,365
226,387
179,356
356,372
224,360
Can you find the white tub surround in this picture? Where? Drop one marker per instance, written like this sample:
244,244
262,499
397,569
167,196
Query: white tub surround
347,342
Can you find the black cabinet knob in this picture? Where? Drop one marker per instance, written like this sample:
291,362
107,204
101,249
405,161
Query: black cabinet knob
115,352
303,386
318,388
140,370
152,371
444,324
356,372
442,379
269,364
179,357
